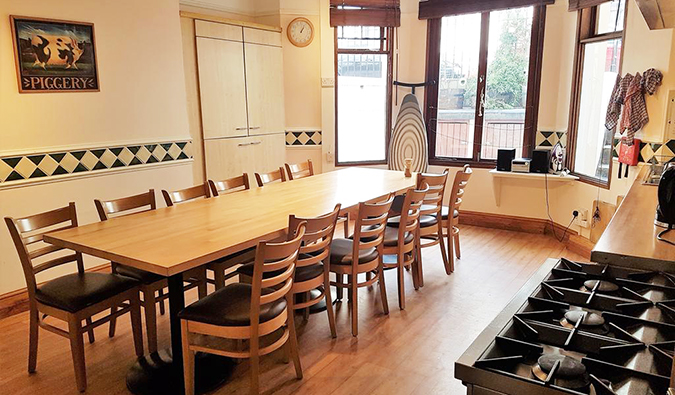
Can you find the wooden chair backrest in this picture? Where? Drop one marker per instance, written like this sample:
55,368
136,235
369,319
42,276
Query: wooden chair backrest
371,222
272,257
300,170
433,201
233,184
266,178
318,236
37,256
187,194
411,211
118,207
458,185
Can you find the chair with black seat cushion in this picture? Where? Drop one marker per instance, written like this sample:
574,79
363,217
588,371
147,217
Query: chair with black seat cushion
451,225
221,266
402,242
151,285
367,246
72,298
313,268
253,312
277,175
431,224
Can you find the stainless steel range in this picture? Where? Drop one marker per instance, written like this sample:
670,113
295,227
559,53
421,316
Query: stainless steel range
578,329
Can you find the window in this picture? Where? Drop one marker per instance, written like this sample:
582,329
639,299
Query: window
597,65
487,76
363,89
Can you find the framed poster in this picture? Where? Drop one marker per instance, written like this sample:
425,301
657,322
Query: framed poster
53,55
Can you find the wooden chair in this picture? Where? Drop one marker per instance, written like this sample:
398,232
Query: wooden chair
299,170
230,185
403,241
367,245
72,298
265,178
247,311
220,266
431,224
451,225
306,169
187,194
151,285
312,269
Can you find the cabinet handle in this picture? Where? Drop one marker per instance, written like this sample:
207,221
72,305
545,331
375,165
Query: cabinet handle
241,128
255,143
254,127
244,144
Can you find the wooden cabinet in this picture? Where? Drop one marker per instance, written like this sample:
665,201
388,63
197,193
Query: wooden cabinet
265,89
242,98
222,87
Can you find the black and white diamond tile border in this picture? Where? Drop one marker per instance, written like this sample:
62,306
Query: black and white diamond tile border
652,152
25,168
303,137
547,140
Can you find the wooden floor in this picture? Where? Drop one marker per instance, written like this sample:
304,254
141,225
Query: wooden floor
407,352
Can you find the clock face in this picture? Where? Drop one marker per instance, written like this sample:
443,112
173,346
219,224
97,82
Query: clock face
301,32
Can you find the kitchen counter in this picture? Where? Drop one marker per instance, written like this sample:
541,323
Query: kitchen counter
630,238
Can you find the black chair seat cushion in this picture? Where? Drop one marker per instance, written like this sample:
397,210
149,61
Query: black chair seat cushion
341,253
425,221
391,237
303,273
74,292
231,306
138,274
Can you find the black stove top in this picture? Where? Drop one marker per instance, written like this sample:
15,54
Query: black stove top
614,326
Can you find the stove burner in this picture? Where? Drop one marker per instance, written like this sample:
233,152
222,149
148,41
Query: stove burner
590,319
571,373
605,286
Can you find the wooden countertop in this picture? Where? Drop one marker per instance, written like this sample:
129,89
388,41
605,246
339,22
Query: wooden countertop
630,238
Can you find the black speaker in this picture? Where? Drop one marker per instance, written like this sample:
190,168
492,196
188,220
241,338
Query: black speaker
541,158
504,158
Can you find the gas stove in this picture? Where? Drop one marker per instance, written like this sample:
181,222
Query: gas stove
578,328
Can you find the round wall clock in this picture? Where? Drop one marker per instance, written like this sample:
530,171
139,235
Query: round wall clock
300,32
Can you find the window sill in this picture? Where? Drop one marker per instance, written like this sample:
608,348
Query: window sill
553,179
460,163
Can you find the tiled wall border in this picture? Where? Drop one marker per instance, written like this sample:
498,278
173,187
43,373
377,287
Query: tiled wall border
548,139
301,138
652,152
63,163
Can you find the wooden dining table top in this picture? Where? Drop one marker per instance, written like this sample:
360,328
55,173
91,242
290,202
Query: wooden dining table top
171,240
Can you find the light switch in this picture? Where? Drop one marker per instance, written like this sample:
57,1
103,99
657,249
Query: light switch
327,82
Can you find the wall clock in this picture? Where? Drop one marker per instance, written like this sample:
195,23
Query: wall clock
300,32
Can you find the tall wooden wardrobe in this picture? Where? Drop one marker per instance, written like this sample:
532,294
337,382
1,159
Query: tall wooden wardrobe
242,98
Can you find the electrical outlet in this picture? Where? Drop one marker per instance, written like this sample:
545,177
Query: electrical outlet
327,82
329,157
582,218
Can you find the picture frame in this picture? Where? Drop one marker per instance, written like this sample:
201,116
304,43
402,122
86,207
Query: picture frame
53,55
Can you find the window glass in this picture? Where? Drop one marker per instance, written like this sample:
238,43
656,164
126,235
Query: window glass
594,142
610,16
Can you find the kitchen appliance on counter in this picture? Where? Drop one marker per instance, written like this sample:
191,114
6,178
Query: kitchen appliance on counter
521,165
578,329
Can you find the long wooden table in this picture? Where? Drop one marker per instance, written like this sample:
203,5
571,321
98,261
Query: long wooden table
169,241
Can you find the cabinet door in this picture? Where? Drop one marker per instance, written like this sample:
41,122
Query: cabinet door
222,88
265,88
268,152
227,158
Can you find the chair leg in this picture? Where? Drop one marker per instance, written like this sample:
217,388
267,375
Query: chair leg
383,290
354,299
451,251
218,277
305,311
444,254
188,360
401,284
90,332
346,226
113,322
293,345
420,272
339,279
136,323
77,350
33,339
255,361
457,251
329,304
201,286
149,304
162,308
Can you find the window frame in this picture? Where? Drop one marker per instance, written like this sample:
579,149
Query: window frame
531,102
586,34
386,48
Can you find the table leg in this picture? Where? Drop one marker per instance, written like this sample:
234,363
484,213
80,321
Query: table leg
162,372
